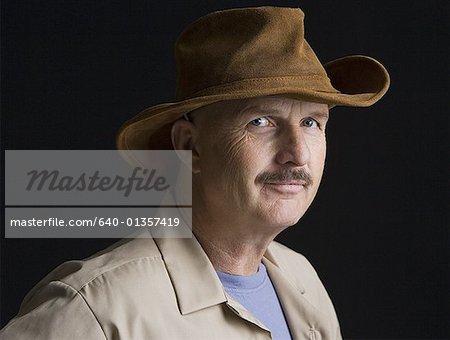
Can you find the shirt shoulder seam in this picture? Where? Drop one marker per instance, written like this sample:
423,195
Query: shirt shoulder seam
117,267
86,303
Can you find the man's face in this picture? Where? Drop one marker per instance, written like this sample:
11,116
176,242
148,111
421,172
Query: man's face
258,162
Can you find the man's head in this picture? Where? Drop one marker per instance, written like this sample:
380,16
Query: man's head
256,162
259,99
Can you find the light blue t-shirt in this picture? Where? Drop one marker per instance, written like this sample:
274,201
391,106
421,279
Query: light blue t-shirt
257,294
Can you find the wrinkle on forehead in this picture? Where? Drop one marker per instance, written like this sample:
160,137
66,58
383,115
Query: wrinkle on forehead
286,106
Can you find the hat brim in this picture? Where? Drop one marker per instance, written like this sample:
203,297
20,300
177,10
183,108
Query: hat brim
360,81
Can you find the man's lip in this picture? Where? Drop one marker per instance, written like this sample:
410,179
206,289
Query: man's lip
287,187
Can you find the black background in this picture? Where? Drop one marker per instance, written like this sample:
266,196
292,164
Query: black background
73,71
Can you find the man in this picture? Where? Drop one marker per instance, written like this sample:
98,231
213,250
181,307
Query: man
252,104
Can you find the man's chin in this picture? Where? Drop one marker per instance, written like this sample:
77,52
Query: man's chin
282,222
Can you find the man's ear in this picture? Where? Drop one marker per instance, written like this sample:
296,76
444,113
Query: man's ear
184,135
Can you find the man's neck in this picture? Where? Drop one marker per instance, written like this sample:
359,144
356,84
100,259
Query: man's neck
233,255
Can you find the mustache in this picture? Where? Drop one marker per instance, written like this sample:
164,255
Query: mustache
285,175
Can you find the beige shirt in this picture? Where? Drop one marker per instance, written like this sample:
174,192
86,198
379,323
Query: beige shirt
147,288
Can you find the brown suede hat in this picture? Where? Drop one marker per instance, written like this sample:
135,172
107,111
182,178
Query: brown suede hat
252,52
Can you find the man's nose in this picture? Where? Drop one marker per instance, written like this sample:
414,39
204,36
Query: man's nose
293,147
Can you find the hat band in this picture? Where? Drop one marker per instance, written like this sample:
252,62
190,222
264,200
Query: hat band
252,86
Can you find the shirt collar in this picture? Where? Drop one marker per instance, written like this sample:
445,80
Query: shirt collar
193,276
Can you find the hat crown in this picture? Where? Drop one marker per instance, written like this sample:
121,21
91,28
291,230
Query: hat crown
242,45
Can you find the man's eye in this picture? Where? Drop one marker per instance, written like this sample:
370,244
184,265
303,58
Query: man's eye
311,123
260,121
